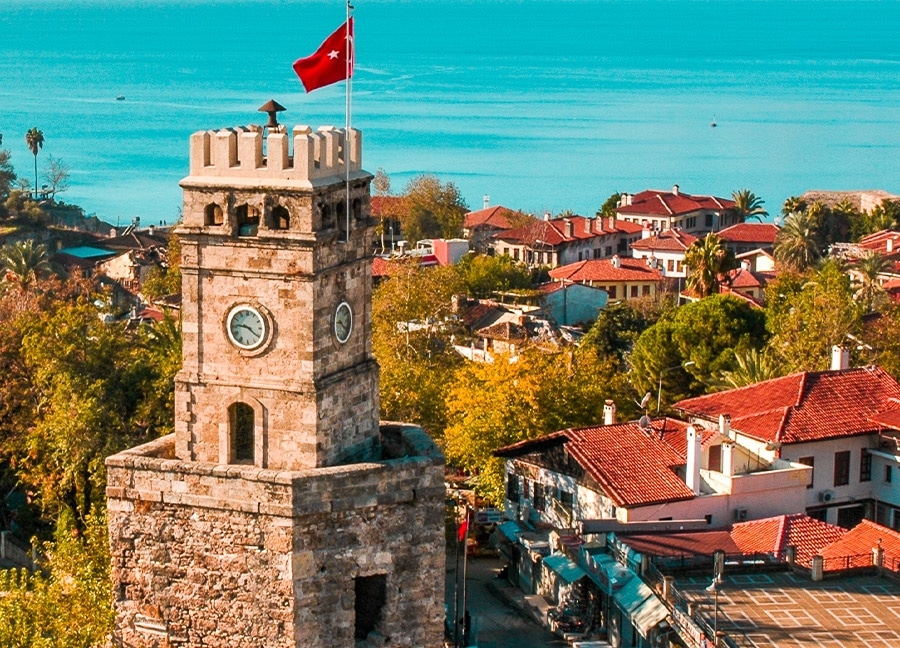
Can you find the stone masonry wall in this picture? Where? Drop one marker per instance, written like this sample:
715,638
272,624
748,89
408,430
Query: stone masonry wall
207,555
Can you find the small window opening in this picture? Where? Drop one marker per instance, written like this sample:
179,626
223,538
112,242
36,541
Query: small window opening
281,218
247,219
371,593
357,209
241,421
213,215
327,218
341,214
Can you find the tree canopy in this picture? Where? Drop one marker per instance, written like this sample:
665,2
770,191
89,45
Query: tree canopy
432,209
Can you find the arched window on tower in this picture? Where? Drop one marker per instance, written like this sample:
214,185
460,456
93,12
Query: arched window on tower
281,218
357,209
212,215
341,215
327,217
247,220
242,427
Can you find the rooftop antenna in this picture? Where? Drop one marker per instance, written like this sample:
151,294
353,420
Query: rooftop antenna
272,108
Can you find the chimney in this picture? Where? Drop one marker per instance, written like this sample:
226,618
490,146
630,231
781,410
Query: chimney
889,245
692,476
589,225
547,216
646,232
609,412
725,425
615,261
487,201
840,358
612,222
745,265
728,458
675,189
151,230
629,198
569,226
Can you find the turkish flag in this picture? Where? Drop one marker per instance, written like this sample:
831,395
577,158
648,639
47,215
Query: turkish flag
332,62
463,529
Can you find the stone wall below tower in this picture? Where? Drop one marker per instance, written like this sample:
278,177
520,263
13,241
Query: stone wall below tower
213,555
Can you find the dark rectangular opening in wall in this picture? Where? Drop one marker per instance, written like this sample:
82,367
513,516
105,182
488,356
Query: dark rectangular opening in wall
371,592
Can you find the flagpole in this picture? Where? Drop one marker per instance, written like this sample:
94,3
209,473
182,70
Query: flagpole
349,59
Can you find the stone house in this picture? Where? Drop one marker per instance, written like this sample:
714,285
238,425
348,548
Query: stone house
661,210
620,277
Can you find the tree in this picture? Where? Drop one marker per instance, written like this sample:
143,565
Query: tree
809,313
707,333
483,275
708,262
165,279
748,205
411,341
868,287
432,209
491,405
750,367
24,262
792,205
796,244
57,176
7,177
618,326
381,183
608,208
34,139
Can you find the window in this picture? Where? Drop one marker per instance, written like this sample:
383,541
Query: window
539,502
709,220
811,462
865,466
240,419
612,292
247,220
281,218
842,468
212,215
645,290
512,488
888,474
371,594
526,489
634,291
670,265
609,250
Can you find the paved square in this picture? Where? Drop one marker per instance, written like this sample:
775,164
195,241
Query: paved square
786,610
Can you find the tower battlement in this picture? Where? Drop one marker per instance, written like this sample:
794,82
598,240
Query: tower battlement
245,152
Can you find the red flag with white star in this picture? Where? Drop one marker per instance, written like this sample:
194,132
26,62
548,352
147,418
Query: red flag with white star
332,62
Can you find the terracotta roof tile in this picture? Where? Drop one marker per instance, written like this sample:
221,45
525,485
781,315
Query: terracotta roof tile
860,541
670,240
667,203
492,217
565,230
634,467
750,233
804,406
741,278
698,543
773,535
878,241
603,270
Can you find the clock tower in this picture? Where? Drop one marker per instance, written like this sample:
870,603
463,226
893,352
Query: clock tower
281,513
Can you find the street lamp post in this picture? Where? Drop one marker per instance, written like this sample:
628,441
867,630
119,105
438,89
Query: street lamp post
665,371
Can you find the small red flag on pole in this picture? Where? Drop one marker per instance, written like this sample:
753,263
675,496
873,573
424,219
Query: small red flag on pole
463,528
332,62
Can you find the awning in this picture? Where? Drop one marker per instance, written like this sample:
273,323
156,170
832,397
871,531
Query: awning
648,615
606,571
632,595
565,568
510,530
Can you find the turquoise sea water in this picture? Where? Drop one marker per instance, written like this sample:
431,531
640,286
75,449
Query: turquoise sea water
543,105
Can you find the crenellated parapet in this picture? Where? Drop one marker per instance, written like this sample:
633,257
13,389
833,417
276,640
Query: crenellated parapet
306,156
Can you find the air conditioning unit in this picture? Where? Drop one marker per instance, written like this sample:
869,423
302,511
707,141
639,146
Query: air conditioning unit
740,514
826,496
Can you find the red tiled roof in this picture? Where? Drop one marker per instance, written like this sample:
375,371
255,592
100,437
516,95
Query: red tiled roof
861,539
603,270
877,242
805,406
673,240
773,535
750,233
564,230
492,217
698,543
741,278
667,203
634,467
888,419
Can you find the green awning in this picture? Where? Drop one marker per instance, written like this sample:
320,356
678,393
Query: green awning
632,595
648,615
511,530
565,568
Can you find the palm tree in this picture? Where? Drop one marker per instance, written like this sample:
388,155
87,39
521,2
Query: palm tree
869,289
707,261
792,205
750,367
748,205
796,245
34,138
24,262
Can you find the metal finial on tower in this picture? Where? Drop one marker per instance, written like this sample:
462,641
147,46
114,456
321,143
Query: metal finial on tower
272,108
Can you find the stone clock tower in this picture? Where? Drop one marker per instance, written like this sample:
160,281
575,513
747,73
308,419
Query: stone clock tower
281,512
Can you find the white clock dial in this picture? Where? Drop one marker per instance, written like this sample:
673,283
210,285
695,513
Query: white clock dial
246,327
343,322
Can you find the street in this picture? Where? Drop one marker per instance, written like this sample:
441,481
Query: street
495,624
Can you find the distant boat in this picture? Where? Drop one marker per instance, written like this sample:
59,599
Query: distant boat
713,124
120,98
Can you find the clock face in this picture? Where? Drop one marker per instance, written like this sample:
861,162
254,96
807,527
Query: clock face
246,327
343,322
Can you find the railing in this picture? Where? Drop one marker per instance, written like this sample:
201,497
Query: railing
840,563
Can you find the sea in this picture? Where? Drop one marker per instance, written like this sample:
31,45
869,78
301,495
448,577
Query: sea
537,105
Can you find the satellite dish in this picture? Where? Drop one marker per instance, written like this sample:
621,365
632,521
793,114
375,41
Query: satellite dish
645,400
644,422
